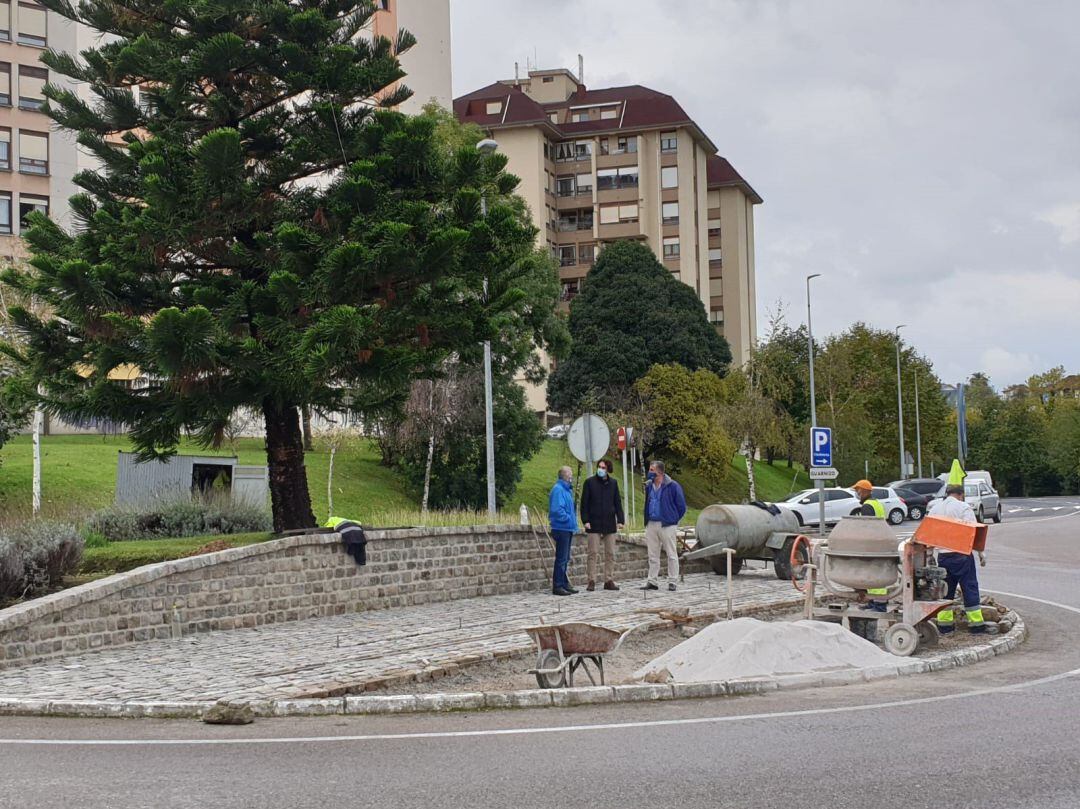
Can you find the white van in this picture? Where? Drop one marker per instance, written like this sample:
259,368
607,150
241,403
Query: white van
979,474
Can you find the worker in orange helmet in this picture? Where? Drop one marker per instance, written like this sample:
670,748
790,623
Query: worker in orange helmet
870,507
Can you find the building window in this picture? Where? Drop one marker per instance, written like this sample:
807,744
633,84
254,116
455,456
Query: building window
579,117
610,179
671,247
583,149
584,183
5,149
614,214
716,317
573,150
32,82
494,107
5,84
29,204
548,79
5,212
585,219
607,115
671,213
567,255
547,151
669,177
714,228
554,117
566,185
5,21
715,255
33,152
32,25
570,290
586,253
604,146
669,142
626,144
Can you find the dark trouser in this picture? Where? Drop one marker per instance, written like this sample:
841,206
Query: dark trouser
961,571
562,559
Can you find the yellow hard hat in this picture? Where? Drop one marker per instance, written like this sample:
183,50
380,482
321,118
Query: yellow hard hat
864,485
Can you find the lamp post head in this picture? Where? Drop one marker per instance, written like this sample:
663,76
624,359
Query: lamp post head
487,146
901,326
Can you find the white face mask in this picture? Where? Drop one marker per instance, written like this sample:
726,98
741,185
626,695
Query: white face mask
602,472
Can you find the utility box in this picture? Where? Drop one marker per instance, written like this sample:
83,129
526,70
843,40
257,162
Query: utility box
185,476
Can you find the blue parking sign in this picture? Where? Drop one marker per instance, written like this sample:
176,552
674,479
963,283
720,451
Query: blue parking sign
820,446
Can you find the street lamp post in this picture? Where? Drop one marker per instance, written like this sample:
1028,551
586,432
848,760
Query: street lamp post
820,484
900,404
486,147
918,425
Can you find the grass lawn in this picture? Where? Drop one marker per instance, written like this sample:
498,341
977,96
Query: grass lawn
116,557
79,476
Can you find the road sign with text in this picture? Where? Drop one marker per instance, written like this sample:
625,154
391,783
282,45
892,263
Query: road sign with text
823,473
820,446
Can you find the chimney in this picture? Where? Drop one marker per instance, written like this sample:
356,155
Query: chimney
517,74
580,69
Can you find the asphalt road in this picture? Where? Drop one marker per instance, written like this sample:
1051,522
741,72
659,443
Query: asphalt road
1004,733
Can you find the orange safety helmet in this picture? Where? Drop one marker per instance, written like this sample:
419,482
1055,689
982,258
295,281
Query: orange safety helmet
863,485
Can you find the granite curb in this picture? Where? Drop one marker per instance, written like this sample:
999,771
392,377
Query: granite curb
529,698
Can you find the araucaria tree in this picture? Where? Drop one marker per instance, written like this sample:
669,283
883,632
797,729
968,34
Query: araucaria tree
262,230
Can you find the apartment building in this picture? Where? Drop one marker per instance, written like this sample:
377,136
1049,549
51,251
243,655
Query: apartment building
427,65
37,163
626,163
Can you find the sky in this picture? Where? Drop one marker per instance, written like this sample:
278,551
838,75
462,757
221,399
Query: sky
923,155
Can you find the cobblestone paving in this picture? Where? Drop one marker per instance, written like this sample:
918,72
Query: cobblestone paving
332,656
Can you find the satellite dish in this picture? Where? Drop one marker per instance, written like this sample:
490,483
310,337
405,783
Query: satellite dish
589,439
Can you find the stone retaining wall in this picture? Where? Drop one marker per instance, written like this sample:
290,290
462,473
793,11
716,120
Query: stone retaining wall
290,579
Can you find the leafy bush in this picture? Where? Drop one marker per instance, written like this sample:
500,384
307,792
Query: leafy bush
185,518
36,556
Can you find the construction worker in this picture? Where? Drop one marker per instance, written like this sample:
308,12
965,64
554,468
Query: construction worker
960,568
869,507
352,536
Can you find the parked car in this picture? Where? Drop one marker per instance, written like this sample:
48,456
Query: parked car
917,504
983,499
895,508
558,432
839,503
931,487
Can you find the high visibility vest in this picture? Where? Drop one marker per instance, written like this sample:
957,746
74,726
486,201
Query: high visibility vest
879,510
334,522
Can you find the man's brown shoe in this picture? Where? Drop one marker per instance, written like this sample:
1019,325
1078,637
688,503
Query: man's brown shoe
610,585
591,586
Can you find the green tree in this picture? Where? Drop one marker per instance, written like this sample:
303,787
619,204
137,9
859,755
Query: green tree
267,235
781,367
681,414
1063,444
1011,442
632,314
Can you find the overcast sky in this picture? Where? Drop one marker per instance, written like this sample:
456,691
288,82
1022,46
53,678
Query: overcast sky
924,155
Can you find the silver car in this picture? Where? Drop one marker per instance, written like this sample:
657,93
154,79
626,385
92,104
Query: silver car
984,500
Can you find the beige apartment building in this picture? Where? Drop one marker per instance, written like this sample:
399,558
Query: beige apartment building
427,65
626,163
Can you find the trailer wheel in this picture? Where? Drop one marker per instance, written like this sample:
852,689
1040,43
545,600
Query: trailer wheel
719,565
783,558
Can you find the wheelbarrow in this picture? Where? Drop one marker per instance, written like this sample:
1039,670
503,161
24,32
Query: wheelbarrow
561,649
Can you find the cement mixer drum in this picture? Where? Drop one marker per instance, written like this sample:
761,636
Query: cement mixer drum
752,532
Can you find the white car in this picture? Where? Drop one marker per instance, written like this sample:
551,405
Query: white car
559,431
840,503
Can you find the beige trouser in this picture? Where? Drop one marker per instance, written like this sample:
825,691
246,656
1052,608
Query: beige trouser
655,537
609,555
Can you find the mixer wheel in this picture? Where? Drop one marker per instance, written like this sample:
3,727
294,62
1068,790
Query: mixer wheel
719,565
928,634
901,639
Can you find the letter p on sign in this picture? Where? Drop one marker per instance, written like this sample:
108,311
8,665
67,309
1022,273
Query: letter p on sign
820,446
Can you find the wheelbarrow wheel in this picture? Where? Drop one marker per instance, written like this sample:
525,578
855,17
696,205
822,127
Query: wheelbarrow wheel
901,640
549,659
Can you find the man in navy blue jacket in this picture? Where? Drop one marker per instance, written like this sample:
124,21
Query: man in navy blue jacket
665,505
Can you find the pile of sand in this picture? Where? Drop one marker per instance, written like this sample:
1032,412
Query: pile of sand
747,647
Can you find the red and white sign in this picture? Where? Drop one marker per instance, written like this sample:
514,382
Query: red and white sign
621,433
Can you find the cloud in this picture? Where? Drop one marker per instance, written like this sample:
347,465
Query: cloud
913,153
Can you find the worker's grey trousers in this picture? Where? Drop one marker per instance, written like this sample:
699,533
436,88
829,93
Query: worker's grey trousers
656,535
609,555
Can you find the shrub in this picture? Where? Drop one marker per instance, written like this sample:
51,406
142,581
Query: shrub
36,556
184,518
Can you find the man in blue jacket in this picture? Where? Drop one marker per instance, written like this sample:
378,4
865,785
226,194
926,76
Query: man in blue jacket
665,505
563,518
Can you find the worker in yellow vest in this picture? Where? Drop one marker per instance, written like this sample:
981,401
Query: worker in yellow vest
869,507
352,536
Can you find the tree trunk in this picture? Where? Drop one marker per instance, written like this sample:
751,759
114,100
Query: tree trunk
427,472
288,477
309,443
750,473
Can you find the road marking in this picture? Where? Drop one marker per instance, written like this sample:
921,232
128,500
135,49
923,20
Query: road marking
460,734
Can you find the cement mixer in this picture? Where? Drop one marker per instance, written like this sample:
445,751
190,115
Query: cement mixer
752,532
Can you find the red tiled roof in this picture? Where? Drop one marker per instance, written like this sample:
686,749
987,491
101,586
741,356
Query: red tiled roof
720,173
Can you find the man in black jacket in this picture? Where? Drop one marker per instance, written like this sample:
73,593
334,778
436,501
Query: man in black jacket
602,514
